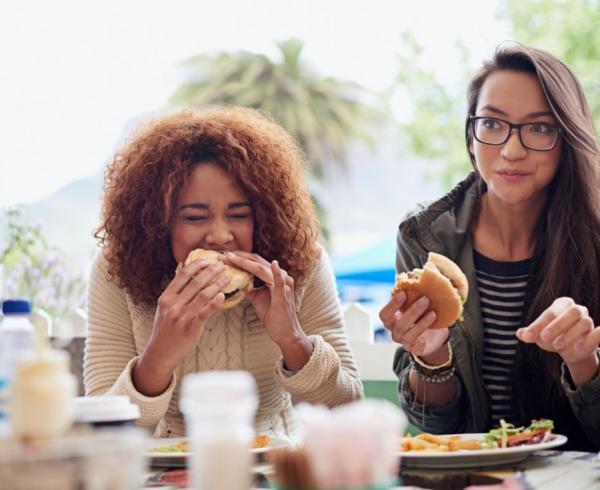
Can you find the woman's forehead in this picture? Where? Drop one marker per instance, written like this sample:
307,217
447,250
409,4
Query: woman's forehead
513,94
209,182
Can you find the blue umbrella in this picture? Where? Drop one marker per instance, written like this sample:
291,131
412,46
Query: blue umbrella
376,264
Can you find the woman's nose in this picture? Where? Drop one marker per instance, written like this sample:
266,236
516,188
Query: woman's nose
219,233
513,149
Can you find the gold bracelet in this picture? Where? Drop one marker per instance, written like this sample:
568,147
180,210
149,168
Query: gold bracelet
446,364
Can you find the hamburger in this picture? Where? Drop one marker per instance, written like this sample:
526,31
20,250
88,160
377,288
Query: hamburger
240,282
442,281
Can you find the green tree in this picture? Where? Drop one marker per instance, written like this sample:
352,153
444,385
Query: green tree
322,114
434,126
434,129
569,29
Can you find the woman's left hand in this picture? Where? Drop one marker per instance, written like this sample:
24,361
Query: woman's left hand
567,329
275,305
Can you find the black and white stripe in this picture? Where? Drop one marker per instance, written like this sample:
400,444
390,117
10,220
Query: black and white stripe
502,288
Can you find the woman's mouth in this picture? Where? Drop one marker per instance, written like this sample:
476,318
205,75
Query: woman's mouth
512,175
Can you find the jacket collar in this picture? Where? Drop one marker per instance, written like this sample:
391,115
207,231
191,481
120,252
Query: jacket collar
444,225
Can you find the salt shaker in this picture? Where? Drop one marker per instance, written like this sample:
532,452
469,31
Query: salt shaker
219,409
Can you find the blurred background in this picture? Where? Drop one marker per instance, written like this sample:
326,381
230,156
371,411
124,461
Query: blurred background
373,91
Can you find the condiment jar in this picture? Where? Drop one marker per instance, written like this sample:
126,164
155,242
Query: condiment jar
42,395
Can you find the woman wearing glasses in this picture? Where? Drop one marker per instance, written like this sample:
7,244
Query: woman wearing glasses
525,229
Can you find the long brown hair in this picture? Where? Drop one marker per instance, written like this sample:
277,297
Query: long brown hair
147,173
566,260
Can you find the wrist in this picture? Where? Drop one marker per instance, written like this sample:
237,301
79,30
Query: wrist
437,357
296,351
154,365
583,371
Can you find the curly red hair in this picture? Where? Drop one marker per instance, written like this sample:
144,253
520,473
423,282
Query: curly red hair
143,181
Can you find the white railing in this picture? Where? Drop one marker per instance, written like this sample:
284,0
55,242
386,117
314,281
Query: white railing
374,359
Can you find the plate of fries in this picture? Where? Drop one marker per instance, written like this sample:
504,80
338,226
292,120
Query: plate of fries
465,451
173,452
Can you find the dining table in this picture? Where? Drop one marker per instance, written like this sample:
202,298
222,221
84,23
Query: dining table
547,470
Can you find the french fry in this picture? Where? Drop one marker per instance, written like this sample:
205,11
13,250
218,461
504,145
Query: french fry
433,443
445,441
468,444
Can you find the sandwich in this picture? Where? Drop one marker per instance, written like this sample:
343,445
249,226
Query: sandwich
442,281
240,282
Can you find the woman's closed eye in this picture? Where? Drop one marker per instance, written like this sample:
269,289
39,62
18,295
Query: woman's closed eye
196,217
240,216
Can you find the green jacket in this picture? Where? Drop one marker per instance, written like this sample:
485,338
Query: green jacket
444,227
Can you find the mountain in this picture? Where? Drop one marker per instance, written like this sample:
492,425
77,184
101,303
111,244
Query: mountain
363,206
69,216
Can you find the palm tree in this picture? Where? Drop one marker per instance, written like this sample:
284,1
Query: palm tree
322,114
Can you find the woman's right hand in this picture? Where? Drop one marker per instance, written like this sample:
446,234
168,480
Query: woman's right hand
189,300
411,328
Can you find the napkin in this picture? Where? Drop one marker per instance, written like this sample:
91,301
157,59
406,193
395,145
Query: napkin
353,445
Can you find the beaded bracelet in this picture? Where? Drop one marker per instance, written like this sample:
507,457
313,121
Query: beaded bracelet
440,377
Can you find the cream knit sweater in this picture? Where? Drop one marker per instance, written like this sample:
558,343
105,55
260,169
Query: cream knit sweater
118,331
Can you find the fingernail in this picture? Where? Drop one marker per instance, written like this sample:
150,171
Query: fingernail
401,297
430,317
558,344
547,334
423,301
524,333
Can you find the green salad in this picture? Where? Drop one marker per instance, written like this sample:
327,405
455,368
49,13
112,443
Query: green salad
507,435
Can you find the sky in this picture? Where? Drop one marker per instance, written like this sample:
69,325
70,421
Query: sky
74,73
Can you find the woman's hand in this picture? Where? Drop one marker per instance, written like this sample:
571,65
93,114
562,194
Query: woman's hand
275,305
411,328
567,329
189,300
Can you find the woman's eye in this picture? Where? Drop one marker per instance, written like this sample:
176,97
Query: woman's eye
541,128
490,123
240,216
196,218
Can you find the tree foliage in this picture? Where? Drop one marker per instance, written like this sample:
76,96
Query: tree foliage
570,30
322,114
434,129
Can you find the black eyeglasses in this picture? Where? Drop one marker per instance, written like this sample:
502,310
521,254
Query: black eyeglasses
535,136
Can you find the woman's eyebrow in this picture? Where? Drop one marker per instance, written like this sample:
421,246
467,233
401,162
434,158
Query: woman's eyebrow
194,205
540,114
491,108
235,205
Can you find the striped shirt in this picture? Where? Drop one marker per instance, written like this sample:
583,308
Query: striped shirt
502,288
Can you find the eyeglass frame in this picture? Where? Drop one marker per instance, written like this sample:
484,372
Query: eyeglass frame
512,126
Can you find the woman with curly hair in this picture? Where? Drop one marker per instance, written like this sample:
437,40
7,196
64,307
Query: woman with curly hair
228,180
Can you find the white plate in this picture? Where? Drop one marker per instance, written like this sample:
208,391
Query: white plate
477,458
178,460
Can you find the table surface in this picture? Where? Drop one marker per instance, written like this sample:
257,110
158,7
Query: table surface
548,470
